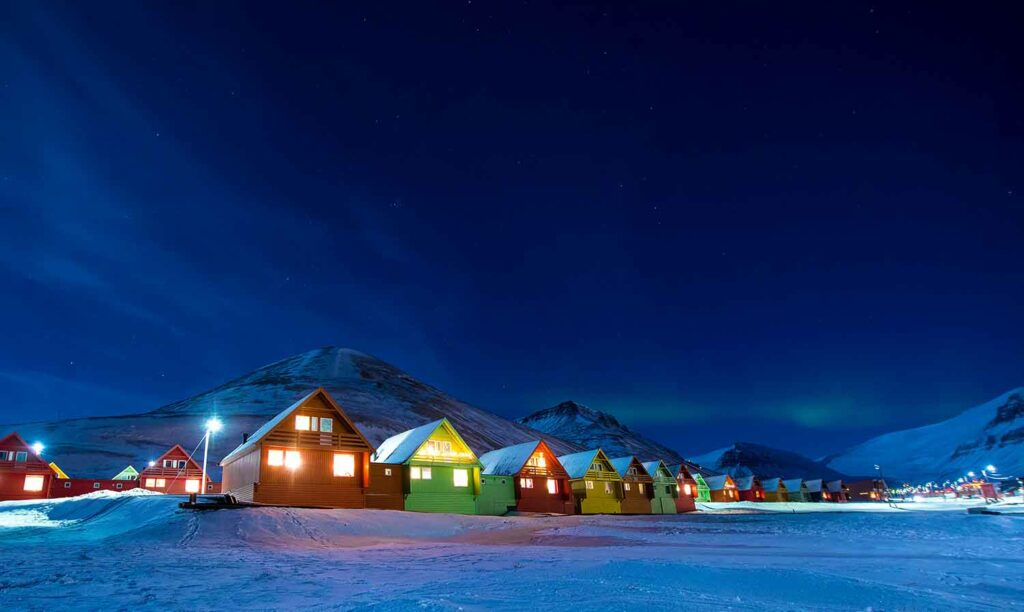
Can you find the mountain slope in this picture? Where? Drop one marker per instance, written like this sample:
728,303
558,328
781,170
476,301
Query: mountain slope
992,433
379,397
590,428
745,459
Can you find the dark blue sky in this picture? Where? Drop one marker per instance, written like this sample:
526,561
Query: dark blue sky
800,226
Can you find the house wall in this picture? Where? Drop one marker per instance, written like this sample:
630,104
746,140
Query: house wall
497,494
635,500
686,502
386,490
312,483
240,476
665,492
597,500
538,499
439,494
12,483
703,491
70,487
776,496
753,494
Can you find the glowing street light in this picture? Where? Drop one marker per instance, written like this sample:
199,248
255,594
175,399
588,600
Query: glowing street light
212,426
152,463
991,469
37,448
971,474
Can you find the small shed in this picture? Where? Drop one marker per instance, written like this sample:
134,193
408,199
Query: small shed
817,490
440,472
774,490
665,488
23,473
596,486
796,489
536,481
309,454
176,473
637,489
838,492
722,488
750,488
686,488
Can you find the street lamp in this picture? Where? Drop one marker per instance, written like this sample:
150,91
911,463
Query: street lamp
991,469
212,426
37,448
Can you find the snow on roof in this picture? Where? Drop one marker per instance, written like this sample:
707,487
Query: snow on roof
814,486
716,483
771,485
793,484
835,486
399,448
509,460
265,429
621,464
744,483
577,464
653,466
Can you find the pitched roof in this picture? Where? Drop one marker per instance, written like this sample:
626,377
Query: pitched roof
653,466
717,483
577,464
509,460
400,448
814,486
835,486
772,485
744,483
621,464
267,427
793,484
59,472
128,473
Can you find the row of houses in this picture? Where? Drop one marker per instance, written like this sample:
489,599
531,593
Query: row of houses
311,454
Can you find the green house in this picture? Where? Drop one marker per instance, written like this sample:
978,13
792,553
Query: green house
703,490
497,494
128,473
665,488
596,486
440,472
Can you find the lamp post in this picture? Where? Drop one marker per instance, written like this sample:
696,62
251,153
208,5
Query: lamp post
212,426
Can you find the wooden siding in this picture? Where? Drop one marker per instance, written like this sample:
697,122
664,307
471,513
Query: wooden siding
439,493
539,499
497,495
240,475
598,500
312,483
386,492
70,487
665,492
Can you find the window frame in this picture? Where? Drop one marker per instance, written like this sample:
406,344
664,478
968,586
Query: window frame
464,473
21,456
34,478
278,455
552,486
334,465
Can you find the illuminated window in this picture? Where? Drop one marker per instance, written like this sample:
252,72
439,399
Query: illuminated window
161,483
461,478
426,473
590,484
292,459
414,473
552,486
150,482
326,424
302,423
526,483
631,471
537,460
640,487
687,490
21,456
67,485
608,487
387,471
191,485
344,464
33,483
439,447
625,486
275,457
597,467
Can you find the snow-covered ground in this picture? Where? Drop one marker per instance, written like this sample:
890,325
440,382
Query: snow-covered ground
139,550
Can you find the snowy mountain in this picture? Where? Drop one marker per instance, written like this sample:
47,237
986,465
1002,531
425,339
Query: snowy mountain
379,397
992,433
745,459
591,428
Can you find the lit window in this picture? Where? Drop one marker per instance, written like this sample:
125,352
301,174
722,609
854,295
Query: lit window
631,471
626,486
21,456
414,473
161,483
326,424
640,487
387,471
95,485
150,482
686,489
552,486
590,484
526,483
426,473
67,485
462,478
275,457
191,485
538,460
33,483
608,487
344,464
292,459
302,423
439,447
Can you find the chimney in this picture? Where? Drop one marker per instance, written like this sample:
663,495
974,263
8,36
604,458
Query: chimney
245,437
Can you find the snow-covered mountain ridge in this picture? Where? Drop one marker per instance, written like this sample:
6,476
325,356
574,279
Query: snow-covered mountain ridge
746,459
589,428
989,434
382,399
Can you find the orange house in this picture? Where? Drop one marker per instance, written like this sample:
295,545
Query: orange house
23,474
176,473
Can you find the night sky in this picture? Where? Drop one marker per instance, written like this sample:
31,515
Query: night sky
797,225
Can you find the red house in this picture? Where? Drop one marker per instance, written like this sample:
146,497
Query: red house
23,474
176,473
750,488
532,464
70,487
687,488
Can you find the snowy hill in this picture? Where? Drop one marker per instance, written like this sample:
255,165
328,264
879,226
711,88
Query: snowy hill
591,428
992,433
379,397
745,459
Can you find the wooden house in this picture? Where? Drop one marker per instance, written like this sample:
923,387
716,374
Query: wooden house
665,488
637,489
774,490
128,473
596,486
750,488
817,490
440,472
796,489
870,490
526,477
175,473
838,492
722,488
686,487
71,487
23,473
309,454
